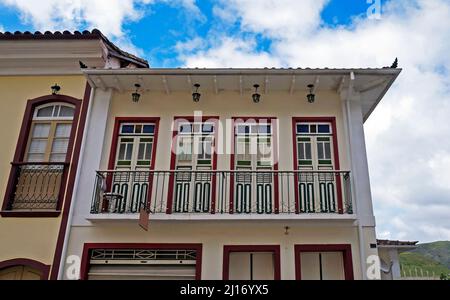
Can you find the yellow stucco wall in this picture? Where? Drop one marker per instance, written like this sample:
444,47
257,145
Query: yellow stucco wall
226,106
25,237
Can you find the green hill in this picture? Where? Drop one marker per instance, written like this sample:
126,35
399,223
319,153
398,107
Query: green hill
431,257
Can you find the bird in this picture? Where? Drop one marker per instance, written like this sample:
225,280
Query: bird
82,65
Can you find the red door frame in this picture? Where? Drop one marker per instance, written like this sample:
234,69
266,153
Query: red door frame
337,164
227,250
115,139
346,250
173,158
274,122
88,247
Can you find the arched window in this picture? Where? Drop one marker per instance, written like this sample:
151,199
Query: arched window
50,133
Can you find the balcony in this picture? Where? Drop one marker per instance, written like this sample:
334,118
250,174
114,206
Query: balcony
236,194
35,188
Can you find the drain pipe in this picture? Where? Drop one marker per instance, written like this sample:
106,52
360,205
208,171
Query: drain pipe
62,263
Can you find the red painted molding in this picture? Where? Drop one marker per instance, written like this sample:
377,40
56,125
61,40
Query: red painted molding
91,246
173,159
71,182
346,250
331,120
23,139
227,250
274,123
44,269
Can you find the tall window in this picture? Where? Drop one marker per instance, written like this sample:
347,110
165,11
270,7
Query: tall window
316,188
50,133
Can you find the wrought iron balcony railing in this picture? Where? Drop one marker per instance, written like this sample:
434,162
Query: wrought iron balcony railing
223,192
36,187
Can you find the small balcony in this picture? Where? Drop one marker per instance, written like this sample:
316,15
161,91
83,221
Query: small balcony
244,194
35,188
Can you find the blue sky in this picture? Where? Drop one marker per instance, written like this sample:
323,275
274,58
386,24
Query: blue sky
407,136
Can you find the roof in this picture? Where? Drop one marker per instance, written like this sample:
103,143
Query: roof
396,243
77,35
371,84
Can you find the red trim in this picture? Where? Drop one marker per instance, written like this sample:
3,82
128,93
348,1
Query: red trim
115,139
44,269
31,214
22,144
331,120
90,246
70,183
173,159
274,123
275,249
346,250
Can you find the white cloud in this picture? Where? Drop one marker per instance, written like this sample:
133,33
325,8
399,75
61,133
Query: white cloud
408,135
107,15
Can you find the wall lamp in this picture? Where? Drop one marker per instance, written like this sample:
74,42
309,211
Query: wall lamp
256,96
55,89
196,95
136,96
311,96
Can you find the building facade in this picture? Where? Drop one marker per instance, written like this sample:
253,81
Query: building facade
234,174
43,107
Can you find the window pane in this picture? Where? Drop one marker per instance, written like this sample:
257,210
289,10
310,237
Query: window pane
129,152
148,153
60,146
67,111
308,151
41,131
186,128
313,128
302,128
35,157
45,112
301,151
63,130
265,129
327,151
320,150
38,146
242,129
208,128
324,129
57,158
122,151
128,129
138,129
141,151
149,129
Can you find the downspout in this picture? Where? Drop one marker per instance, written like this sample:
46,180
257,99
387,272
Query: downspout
74,196
347,115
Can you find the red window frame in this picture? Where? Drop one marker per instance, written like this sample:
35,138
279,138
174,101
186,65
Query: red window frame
227,250
173,159
18,262
332,121
20,153
346,250
115,139
91,246
274,122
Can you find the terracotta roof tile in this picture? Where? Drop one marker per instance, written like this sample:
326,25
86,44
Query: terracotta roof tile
395,243
76,35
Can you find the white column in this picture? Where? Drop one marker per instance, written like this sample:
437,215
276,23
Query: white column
92,154
393,254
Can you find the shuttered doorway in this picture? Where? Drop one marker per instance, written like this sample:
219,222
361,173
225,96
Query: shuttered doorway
147,264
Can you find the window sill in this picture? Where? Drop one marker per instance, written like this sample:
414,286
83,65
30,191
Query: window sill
30,214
